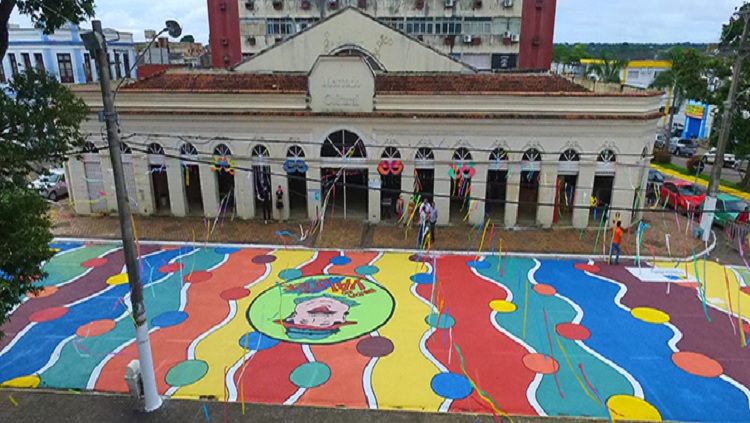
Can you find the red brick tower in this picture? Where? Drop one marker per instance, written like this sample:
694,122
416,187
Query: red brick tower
537,32
224,25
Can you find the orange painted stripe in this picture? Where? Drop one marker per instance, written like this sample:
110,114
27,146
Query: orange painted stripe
344,388
205,309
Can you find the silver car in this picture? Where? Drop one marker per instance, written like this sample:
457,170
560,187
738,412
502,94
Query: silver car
51,186
683,147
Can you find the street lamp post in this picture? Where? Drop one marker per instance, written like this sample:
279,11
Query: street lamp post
707,219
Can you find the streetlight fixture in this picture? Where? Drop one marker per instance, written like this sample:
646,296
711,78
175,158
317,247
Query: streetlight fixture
96,43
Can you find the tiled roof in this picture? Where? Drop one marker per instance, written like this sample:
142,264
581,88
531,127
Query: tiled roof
222,82
470,84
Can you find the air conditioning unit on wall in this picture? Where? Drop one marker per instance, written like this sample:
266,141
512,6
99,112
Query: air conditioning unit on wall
515,38
250,4
507,3
450,3
467,39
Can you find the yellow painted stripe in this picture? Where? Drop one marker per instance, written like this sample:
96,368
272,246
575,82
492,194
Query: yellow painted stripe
402,379
722,188
222,348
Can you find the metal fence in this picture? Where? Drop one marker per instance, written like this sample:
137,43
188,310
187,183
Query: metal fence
738,234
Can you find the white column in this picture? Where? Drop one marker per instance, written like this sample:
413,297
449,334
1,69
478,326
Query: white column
209,190
278,177
512,190
373,194
643,166
144,191
176,184
314,194
623,193
584,189
244,191
77,187
479,193
109,182
442,198
547,183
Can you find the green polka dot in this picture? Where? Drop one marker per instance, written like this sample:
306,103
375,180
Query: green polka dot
310,375
186,373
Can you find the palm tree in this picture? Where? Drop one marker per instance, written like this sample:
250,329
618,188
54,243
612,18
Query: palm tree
608,70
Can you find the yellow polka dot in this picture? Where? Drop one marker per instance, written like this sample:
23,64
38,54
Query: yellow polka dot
54,250
30,381
502,306
120,279
630,408
650,315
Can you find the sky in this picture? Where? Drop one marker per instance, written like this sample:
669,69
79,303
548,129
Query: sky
644,21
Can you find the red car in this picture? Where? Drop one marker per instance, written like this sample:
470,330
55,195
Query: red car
681,195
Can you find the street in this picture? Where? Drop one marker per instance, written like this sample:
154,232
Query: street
728,174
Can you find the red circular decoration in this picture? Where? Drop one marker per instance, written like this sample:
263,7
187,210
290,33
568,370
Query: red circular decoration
48,314
384,167
94,262
198,276
587,267
544,289
96,328
170,268
697,364
233,294
573,331
397,167
745,289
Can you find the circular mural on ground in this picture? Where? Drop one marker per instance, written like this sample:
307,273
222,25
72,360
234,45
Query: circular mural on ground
321,309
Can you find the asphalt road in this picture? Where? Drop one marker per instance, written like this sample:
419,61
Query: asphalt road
728,174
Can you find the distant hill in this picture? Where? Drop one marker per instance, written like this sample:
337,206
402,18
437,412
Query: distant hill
632,51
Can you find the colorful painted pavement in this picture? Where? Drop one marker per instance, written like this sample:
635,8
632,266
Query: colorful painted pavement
385,330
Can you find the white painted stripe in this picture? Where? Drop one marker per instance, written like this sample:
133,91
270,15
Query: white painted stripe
737,385
98,369
55,355
16,338
301,391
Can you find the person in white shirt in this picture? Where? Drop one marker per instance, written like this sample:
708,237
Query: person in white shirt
424,219
433,219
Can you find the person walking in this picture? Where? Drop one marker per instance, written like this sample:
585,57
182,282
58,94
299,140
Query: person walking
279,198
433,219
424,221
266,198
616,238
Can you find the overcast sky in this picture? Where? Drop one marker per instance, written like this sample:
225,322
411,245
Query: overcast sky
658,21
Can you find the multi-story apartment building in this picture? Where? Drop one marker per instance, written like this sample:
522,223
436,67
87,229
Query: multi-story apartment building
63,54
489,35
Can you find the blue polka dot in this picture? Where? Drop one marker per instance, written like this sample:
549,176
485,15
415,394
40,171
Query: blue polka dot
340,260
366,270
257,341
672,277
423,278
451,385
170,318
289,274
226,250
479,264
443,321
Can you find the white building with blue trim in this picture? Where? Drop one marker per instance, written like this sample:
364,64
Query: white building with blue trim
63,54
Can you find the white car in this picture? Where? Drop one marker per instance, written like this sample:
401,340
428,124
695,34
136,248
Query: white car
51,186
710,158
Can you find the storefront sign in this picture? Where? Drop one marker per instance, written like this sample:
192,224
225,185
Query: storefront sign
694,111
341,84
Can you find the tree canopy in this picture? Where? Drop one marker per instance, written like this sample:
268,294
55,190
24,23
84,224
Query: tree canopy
187,39
40,123
608,70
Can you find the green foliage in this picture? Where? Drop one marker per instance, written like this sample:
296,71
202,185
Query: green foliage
692,164
569,54
662,156
609,71
630,51
40,122
187,39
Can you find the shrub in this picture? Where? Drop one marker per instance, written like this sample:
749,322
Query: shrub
661,155
692,165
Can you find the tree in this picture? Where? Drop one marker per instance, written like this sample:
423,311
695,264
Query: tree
40,123
46,14
608,70
187,39
687,79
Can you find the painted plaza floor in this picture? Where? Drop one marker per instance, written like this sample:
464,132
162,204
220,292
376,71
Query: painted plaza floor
385,330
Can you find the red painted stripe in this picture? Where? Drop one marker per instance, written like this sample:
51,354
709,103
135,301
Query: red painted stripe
317,266
266,377
344,388
493,360
205,309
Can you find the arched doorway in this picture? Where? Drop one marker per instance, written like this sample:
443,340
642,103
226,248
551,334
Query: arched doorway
344,174
424,183
528,196
497,184
159,182
296,173
565,188
224,170
462,171
262,176
390,170
193,195
604,180
92,169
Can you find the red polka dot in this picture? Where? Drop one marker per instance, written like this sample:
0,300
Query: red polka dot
94,262
198,276
170,248
95,328
587,267
745,289
697,364
573,331
48,314
233,294
540,363
687,284
544,289
170,268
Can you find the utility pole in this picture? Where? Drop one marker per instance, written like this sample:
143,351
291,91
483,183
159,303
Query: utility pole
707,219
152,398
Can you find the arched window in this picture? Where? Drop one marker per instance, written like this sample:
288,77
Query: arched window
295,152
352,50
462,154
188,149
607,156
532,155
343,144
259,151
424,153
222,150
391,153
155,149
90,147
499,154
570,155
125,149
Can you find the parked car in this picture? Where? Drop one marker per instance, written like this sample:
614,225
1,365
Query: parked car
655,180
683,147
660,141
710,157
681,195
51,186
727,209
740,163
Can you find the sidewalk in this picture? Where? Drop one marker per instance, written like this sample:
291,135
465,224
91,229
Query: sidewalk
359,235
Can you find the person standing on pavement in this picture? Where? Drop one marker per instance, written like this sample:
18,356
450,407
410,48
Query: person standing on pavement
424,220
433,219
742,217
266,198
616,238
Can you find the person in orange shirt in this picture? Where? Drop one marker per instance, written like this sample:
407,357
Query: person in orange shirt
616,243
